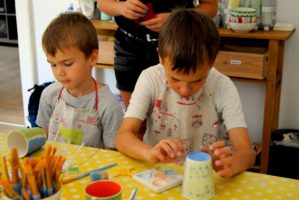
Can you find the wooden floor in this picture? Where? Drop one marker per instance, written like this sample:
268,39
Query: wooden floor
11,106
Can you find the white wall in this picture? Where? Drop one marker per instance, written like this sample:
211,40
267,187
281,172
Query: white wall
26,54
43,12
289,108
33,19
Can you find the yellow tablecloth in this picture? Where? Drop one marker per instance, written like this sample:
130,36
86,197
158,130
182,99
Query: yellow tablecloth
246,185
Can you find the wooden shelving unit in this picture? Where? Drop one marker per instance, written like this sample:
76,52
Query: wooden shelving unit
8,23
272,42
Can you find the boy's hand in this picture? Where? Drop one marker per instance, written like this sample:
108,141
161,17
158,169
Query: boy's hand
222,158
133,9
165,151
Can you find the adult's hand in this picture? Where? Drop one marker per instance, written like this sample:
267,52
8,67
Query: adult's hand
154,24
133,9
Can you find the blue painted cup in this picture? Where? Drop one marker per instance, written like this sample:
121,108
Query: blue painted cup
198,180
26,140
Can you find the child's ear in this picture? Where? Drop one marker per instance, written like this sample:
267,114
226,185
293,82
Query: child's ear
94,56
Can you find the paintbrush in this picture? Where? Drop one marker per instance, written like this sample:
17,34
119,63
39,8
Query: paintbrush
67,180
14,163
4,170
25,194
47,170
8,189
133,194
31,182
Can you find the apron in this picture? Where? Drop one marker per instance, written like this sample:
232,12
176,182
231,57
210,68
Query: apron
194,120
75,125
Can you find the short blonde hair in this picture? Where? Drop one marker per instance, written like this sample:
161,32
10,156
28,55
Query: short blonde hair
70,29
189,39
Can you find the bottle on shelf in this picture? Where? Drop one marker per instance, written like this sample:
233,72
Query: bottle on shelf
268,14
257,5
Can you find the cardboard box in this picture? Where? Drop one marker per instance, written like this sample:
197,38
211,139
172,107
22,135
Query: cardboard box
242,64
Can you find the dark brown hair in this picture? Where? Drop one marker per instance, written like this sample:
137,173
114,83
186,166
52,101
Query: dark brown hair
70,29
189,39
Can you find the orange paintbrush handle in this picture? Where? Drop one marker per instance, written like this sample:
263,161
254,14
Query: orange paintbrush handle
25,194
39,166
14,163
31,179
58,168
48,179
14,157
15,175
8,188
4,169
54,150
33,162
52,164
23,180
48,150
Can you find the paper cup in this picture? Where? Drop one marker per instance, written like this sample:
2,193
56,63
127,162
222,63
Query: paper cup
198,176
103,190
26,140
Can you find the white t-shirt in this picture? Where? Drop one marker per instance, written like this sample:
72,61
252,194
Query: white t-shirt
151,84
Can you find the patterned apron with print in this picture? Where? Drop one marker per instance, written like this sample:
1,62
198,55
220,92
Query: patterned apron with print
75,125
193,120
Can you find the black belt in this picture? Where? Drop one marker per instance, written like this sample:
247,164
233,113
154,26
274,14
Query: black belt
146,38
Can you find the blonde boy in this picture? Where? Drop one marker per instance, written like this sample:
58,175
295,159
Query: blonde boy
76,108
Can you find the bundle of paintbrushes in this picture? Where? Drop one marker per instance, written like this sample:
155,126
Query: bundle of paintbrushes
33,178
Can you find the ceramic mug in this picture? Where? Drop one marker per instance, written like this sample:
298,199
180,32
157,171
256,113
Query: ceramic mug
243,15
103,190
26,140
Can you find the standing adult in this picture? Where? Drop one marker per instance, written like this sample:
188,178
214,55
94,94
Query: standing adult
136,39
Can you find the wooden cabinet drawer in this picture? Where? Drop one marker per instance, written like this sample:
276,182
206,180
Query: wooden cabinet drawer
242,64
106,52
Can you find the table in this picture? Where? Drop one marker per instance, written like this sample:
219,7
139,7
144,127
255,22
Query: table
246,185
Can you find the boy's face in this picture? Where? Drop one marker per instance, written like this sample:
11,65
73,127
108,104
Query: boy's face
72,69
183,84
